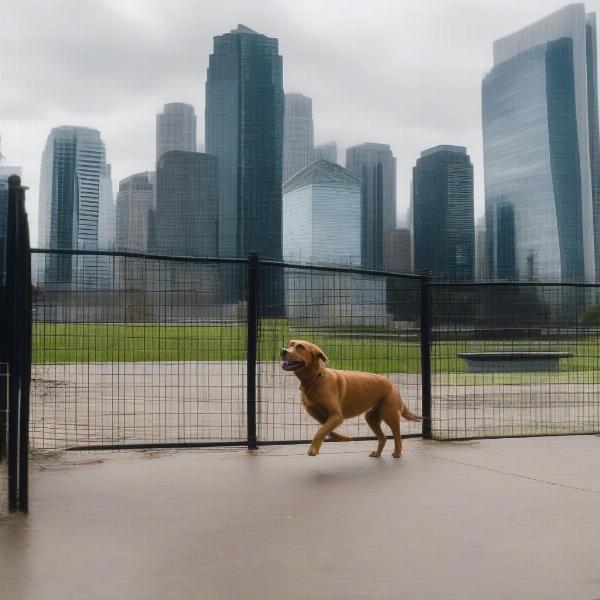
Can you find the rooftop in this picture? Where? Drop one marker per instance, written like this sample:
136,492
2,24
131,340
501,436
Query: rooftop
444,148
243,29
320,171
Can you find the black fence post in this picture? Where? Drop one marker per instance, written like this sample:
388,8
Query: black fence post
13,228
18,332
25,346
252,349
426,355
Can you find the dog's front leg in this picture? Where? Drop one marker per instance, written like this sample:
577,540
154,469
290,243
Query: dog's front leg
330,424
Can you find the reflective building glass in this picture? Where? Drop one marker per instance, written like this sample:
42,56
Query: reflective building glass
540,131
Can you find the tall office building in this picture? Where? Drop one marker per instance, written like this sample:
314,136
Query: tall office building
175,128
376,166
298,134
542,151
481,267
244,130
106,211
322,222
398,259
327,151
443,217
397,250
322,216
185,217
73,167
134,202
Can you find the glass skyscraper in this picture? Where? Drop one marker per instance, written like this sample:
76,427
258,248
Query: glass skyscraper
376,166
541,151
134,201
442,213
175,128
244,130
71,184
322,223
322,216
185,217
298,134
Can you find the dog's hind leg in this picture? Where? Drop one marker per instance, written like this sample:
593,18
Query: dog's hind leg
391,416
373,418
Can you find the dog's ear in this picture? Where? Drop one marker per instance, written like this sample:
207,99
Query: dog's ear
320,354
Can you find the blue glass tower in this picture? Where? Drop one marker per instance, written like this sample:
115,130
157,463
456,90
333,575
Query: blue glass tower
244,130
443,213
71,184
541,151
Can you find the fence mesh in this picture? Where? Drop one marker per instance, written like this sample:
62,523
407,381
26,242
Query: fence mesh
130,350
153,350
362,322
514,360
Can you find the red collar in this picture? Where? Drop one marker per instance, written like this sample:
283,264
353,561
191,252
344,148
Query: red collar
312,380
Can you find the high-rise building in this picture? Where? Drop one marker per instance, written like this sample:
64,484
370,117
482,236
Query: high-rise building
322,216
481,267
244,130
185,217
397,251
398,259
134,202
175,128
106,211
376,166
327,151
443,217
72,169
542,151
298,134
322,222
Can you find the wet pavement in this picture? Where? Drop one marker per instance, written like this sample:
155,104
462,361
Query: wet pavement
512,518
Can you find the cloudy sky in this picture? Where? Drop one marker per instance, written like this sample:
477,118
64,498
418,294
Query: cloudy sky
403,72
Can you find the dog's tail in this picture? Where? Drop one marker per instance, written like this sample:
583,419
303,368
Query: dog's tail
409,416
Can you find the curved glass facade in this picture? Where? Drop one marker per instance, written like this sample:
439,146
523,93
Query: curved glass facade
536,131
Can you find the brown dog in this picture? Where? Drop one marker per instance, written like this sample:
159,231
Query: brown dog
330,396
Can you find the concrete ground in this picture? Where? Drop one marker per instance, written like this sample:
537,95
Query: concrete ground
511,518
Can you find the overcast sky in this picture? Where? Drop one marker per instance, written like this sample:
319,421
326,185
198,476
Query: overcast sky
402,72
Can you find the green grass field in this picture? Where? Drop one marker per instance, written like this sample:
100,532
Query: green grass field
82,343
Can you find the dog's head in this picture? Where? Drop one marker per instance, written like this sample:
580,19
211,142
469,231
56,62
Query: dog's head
300,354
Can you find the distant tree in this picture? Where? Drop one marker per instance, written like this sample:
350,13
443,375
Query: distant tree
591,315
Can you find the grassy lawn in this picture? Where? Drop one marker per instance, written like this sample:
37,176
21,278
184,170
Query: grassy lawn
81,343
73,343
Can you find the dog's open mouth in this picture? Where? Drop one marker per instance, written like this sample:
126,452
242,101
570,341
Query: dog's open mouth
292,365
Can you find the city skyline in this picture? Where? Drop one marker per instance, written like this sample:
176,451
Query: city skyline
431,92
